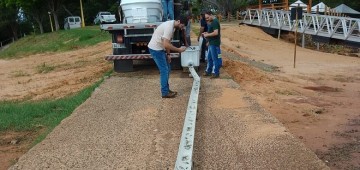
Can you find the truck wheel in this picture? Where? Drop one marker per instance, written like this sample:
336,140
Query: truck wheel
177,8
123,66
176,63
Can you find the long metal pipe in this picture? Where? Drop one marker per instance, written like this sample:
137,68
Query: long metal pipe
185,153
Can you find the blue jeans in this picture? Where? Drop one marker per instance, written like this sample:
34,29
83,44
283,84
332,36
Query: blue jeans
213,60
168,7
164,68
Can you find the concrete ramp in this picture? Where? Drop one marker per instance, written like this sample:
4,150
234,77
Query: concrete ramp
234,132
127,125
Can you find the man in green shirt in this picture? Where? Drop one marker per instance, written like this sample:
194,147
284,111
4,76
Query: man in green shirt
213,36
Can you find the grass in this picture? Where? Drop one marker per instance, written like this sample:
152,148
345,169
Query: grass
285,92
44,115
44,68
195,28
19,73
63,40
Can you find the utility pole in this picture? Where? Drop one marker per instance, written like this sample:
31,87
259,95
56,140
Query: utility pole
82,15
296,29
52,28
260,4
309,7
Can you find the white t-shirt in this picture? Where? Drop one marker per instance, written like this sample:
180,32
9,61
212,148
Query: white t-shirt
164,30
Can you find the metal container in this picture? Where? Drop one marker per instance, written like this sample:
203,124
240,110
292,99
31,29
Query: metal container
191,56
142,11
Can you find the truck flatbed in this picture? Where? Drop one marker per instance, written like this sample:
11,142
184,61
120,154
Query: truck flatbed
110,27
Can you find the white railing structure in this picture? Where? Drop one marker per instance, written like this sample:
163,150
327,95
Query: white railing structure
343,28
184,158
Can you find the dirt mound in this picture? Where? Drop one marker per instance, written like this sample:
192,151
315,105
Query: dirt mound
242,72
317,100
52,75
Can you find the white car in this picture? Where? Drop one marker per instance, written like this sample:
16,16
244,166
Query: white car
104,17
72,22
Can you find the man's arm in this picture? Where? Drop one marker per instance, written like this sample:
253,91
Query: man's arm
213,34
169,47
168,55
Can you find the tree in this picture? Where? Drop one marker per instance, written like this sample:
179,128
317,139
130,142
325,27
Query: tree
92,7
36,10
54,8
9,17
27,13
224,6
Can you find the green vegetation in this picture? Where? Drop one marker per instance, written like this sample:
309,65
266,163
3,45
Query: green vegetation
41,115
19,73
63,40
44,68
195,28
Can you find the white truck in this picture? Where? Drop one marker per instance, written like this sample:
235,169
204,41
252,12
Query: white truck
104,17
72,22
130,37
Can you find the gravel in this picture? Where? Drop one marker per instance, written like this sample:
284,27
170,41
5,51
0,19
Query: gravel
127,125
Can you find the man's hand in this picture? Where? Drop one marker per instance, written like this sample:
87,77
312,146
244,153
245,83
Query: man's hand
182,49
205,34
168,58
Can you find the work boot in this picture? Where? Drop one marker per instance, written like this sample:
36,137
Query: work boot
173,92
169,95
214,76
206,74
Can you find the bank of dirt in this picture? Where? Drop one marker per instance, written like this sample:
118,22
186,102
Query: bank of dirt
318,100
52,75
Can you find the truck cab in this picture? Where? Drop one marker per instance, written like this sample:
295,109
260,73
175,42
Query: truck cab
104,17
130,37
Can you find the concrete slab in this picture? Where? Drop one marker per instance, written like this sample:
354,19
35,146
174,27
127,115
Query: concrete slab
127,125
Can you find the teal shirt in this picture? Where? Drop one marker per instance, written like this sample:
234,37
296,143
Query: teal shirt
215,25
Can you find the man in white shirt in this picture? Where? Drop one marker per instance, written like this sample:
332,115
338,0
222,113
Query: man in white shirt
160,47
